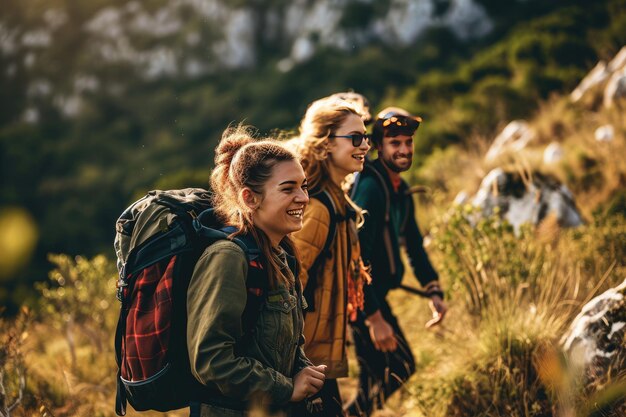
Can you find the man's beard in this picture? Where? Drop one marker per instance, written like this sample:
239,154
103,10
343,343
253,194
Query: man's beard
391,165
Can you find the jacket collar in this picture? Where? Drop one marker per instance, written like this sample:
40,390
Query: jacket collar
380,168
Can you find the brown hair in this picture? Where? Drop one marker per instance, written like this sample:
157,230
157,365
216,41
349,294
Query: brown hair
242,161
322,119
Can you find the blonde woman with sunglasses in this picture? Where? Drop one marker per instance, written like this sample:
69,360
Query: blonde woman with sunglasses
332,144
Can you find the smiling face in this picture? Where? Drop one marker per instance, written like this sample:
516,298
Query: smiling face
396,152
279,209
344,158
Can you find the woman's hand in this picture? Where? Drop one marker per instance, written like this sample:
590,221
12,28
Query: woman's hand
381,333
308,382
439,309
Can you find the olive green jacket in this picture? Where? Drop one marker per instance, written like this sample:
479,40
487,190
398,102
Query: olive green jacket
259,365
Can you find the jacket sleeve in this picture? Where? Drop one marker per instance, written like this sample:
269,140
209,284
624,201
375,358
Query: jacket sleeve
216,299
310,239
418,258
301,360
369,197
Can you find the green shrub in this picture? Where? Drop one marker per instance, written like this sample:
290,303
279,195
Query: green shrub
81,299
515,295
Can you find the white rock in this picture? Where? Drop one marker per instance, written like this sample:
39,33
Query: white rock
302,49
519,202
285,65
193,38
133,7
553,153
514,137
301,25
163,23
237,49
31,115
29,60
194,68
615,327
55,18
615,88
560,203
467,19
592,328
596,76
461,198
605,133
523,210
405,21
69,106
39,88
160,62
38,38
8,40
619,61
83,83
106,23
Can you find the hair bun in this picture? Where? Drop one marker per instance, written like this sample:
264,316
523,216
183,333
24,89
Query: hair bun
233,139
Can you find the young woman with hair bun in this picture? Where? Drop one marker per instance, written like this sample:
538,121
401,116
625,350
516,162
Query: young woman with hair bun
260,189
331,145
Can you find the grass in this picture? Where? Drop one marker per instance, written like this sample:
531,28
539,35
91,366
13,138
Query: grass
498,352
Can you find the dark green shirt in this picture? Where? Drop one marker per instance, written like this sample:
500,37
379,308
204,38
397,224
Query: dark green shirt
384,258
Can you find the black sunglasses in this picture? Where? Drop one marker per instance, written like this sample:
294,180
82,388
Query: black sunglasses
357,138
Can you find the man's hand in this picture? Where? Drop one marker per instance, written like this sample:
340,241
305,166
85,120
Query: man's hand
439,310
308,382
381,333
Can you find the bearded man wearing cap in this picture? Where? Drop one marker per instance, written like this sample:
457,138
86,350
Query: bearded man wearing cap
385,359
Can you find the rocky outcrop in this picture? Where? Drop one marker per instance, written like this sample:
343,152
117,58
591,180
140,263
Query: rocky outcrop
614,72
522,200
616,88
596,341
514,137
189,39
596,76
220,34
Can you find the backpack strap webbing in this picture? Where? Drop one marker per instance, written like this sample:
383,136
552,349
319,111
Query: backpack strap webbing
257,283
387,243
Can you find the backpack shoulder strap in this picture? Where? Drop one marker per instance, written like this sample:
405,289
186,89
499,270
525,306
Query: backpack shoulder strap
368,169
383,185
257,279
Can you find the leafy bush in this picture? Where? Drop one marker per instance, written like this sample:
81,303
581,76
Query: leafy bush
80,298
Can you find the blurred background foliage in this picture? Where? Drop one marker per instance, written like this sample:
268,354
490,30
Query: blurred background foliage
66,175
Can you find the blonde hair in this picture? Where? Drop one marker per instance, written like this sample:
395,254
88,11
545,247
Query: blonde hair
360,103
241,162
322,119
